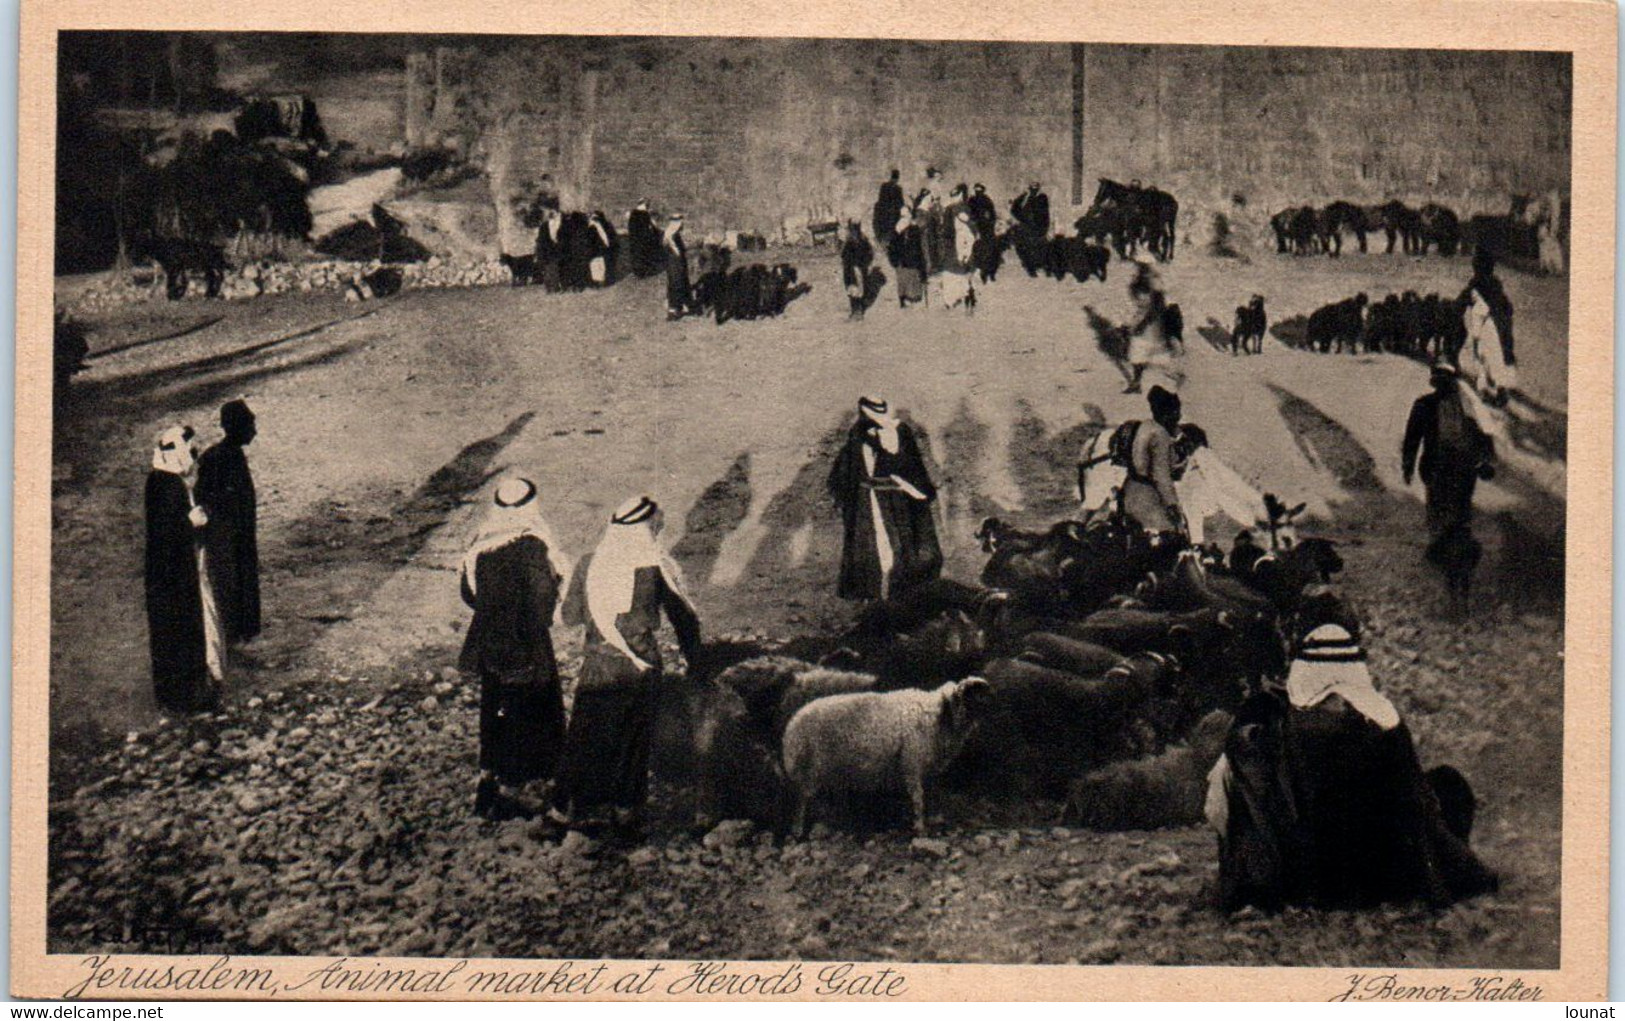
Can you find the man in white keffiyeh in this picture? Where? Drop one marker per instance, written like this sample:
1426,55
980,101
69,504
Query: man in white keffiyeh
619,593
511,578
186,639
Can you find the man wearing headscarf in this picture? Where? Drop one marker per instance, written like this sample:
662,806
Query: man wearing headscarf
1319,798
1454,454
619,592
857,255
678,296
184,636
1149,496
880,483
512,578
225,490
643,238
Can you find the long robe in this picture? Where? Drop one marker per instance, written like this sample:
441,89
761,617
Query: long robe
605,763
907,253
550,254
606,245
1452,448
888,209
225,488
643,238
679,297
857,255
1323,807
890,537
509,646
178,630
1031,211
581,245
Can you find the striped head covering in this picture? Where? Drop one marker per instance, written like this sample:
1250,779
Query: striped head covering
515,512
880,415
1331,662
175,450
628,546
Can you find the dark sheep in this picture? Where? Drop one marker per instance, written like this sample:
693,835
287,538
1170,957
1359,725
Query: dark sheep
1155,792
1077,258
1339,324
180,257
521,268
1437,227
1251,324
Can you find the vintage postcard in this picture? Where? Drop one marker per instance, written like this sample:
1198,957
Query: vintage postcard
600,501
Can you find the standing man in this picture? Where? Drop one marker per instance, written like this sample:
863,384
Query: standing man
1031,212
880,483
678,296
982,211
511,578
225,489
183,627
644,241
888,209
1455,454
1148,345
619,593
857,255
1149,496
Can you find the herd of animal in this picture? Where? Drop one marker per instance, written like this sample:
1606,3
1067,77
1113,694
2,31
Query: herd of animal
748,292
1089,666
1428,328
1305,230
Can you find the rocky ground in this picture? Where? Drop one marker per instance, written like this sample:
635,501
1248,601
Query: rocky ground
327,809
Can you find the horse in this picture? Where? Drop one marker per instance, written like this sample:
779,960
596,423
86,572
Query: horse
1158,212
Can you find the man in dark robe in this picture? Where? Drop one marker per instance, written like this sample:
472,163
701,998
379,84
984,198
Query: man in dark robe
619,593
225,490
679,297
857,255
889,209
880,483
906,251
511,578
550,250
581,245
643,238
1454,454
1319,799
1031,212
182,627
982,211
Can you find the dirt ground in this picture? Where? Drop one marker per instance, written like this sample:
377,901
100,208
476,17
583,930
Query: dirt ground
380,426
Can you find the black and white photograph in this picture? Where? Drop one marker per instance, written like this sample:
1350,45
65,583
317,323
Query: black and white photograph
717,498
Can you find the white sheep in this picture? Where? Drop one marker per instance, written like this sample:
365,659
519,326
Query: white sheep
879,742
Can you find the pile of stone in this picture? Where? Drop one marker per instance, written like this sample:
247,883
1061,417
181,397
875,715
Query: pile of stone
257,278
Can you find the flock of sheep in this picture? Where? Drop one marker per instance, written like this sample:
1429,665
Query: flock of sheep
1090,667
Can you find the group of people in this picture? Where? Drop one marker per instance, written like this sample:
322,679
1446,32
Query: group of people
517,579
937,234
202,560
